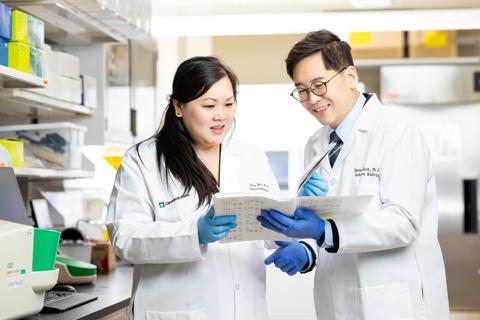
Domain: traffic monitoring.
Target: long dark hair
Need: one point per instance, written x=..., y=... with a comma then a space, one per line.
x=174, y=145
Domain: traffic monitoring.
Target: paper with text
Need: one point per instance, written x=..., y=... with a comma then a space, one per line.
x=247, y=206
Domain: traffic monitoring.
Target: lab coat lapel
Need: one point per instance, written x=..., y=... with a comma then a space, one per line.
x=362, y=125
x=230, y=157
x=319, y=144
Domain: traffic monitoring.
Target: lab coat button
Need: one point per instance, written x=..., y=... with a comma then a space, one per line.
x=237, y=287
x=333, y=181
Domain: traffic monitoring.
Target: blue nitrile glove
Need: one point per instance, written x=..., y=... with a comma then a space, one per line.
x=211, y=228
x=291, y=257
x=304, y=224
x=316, y=185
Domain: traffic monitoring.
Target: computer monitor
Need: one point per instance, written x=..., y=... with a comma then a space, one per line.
x=12, y=207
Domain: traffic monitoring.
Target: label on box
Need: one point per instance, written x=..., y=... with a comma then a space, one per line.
x=435, y=39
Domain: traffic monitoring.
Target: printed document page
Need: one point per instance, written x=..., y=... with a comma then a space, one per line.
x=247, y=206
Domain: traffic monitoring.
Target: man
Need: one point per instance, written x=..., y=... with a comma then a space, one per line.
x=385, y=263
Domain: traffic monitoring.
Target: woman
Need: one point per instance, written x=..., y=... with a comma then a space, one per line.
x=159, y=217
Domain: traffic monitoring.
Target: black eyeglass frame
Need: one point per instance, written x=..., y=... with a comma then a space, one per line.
x=312, y=87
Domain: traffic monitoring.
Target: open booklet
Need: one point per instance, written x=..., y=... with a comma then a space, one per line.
x=248, y=205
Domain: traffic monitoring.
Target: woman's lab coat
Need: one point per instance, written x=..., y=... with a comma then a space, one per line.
x=155, y=228
x=389, y=264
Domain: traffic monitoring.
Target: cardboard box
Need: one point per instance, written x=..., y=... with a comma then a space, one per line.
x=375, y=45
x=440, y=43
x=103, y=256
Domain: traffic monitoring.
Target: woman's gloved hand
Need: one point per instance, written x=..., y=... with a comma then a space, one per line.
x=316, y=185
x=211, y=228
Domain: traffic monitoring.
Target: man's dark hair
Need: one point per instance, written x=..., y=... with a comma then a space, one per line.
x=336, y=54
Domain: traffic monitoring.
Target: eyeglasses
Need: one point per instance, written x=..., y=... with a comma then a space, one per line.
x=318, y=88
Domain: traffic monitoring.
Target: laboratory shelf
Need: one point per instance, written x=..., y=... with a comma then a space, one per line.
x=19, y=102
x=74, y=22
x=11, y=78
x=40, y=173
x=411, y=61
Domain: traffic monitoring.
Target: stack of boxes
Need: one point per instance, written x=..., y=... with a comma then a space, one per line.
x=400, y=44
x=64, y=80
x=25, y=48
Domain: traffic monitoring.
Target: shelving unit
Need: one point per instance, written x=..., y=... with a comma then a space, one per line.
x=67, y=23
x=71, y=22
x=38, y=173
x=11, y=78
x=19, y=102
x=410, y=61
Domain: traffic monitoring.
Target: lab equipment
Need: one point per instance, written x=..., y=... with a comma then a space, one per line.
x=74, y=271
x=444, y=101
x=18, y=279
x=305, y=223
x=290, y=258
x=65, y=297
x=211, y=228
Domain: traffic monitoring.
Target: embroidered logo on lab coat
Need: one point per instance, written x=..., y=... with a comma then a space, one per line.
x=259, y=187
x=367, y=172
x=163, y=204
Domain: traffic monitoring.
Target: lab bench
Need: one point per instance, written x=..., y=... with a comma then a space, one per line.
x=113, y=291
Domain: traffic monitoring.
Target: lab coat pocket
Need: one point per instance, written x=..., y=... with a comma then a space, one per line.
x=388, y=302
x=176, y=315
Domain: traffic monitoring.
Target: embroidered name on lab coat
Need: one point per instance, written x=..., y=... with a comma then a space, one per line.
x=258, y=187
x=367, y=172
x=163, y=204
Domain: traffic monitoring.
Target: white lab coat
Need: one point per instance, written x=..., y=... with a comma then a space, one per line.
x=174, y=276
x=389, y=264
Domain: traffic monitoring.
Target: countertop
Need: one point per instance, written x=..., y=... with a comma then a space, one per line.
x=113, y=291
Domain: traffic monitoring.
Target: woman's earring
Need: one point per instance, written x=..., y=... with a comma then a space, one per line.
x=179, y=114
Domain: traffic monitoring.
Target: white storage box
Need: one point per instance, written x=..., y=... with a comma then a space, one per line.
x=89, y=91
x=49, y=145
x=65, y=64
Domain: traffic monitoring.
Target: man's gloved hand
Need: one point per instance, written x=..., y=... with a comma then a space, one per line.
x=304, y=224
x=211, y=228
x=291, y=257
x=316, y=185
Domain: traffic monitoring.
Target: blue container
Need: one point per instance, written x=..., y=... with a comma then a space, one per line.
x=4, y=52
x=5, y=21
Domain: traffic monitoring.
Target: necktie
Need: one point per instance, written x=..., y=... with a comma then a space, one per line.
x=332, y=155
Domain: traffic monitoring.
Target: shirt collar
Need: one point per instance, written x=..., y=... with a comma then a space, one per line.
x=344, y=128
